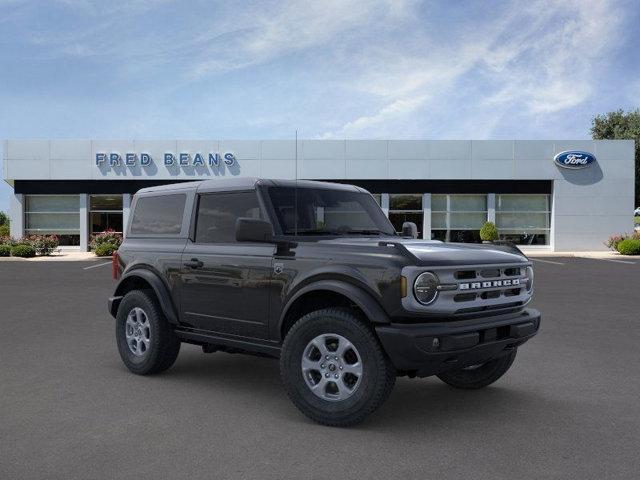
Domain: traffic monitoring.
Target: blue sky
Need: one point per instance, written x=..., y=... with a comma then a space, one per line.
x=332, y=69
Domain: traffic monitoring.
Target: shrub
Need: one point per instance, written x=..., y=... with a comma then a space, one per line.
x=107, y=237
x=105, y=249
x=5, y=250
x=629, y=246
x=613, y=241
x=489, y=232
x=44, y=244
x=4, y=231
x=23, y=250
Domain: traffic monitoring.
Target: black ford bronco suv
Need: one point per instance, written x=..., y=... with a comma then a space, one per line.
x=314, y=274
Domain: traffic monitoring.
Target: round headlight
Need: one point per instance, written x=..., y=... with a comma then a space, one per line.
x=529, y=280
x=425, y=288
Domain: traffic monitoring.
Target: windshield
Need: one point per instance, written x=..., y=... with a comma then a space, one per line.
x=328, y=212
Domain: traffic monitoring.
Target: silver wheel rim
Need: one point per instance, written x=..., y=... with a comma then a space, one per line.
x=332, y=367
x=138, y=332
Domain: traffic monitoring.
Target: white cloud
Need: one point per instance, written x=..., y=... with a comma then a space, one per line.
x=391, y=65
x=221, y=36
x=396, y=109
x=293, y=26
x=101, y=8
x=552, y=65
x=541, y=57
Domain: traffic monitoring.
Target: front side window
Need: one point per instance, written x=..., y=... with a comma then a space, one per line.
x=218, y=212
x=158, y=215
x=317, y=211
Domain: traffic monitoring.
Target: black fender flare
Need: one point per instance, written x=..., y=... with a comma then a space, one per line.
x=158, y=286
x=367, y=303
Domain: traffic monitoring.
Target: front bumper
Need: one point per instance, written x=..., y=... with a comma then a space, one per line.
x=431, y=348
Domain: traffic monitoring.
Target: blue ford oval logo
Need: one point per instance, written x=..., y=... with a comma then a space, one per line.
x=574, y=159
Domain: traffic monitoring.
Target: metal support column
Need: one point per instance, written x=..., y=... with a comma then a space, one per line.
x=126, y=209
x=17, y=215
x=84, y=222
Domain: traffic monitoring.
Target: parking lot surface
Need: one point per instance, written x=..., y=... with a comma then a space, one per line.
x=69, y=409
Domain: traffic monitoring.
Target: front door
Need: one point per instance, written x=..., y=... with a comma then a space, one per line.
x=226, y=284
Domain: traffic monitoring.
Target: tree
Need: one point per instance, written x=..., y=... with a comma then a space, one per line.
x=4, y=225
x=620, y=125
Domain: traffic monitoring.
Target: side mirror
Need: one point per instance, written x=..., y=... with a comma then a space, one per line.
x=410, y=230
x=253, y=230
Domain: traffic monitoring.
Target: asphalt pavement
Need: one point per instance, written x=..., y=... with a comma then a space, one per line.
x=69, y=409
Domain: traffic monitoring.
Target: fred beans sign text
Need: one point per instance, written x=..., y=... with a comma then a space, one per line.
x=212, y=159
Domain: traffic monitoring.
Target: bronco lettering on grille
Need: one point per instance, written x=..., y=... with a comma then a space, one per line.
x=491, y=284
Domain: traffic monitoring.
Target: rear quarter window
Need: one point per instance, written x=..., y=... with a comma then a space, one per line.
x=158, y=215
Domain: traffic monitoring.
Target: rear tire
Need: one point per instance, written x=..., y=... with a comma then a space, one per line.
x=146, y=341
x=334, y=369
x=479, y=376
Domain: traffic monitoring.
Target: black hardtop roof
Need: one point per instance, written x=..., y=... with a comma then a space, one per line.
x=244, y=183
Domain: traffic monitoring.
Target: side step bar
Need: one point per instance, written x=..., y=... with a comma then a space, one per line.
x=212, y=338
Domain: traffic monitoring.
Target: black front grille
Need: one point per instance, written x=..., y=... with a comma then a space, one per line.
x=484, y=308
x=464, y=297
x=490, y=273
x=512, y=272
x=490, y=294
x=514, y=292
x=465, y=275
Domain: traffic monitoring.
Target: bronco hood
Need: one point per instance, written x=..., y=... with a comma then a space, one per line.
x=436, y=253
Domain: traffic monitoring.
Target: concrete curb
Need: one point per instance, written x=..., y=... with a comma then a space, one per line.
x=63, y=256
x=602, y=255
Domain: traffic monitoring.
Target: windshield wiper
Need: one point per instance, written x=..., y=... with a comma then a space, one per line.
x=339, y=232
x=363, y=232
x=311, y=232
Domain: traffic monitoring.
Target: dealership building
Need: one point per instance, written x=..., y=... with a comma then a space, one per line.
x=551, y=195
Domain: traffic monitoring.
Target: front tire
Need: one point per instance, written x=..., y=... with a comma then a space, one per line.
x=334, y=369
x=146, y=341
x=479, y=376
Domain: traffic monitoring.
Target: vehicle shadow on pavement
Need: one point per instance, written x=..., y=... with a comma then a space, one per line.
x=234, y=373
x=413, y=402
x=429, y=401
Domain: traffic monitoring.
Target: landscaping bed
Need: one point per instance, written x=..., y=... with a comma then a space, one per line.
x=625, y=244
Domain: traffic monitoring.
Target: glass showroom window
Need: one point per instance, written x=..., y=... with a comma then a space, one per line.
x=524, y=219
x=457, y=218
x=406, y=208
x=105, y=213
x=54, y=214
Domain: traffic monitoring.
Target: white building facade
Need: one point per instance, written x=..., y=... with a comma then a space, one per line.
x=551, y=195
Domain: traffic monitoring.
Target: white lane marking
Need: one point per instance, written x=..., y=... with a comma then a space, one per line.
x=545, y=261
x=96, y=266
x=613, y=260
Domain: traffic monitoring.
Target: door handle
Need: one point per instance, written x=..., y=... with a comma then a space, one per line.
x=194, y=263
